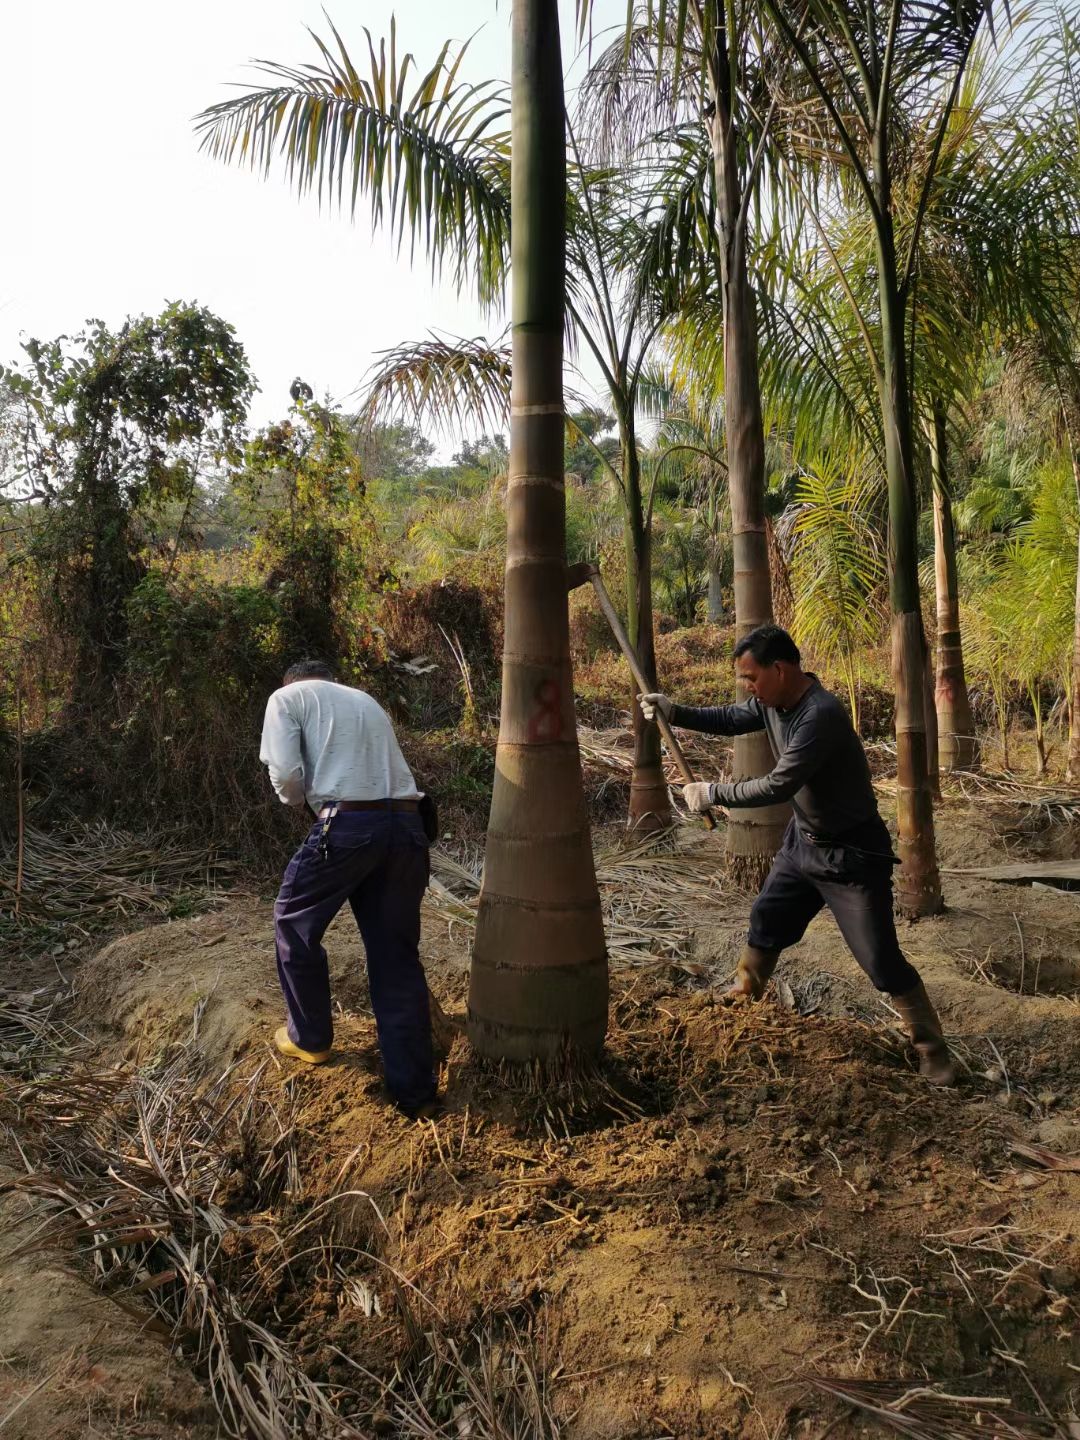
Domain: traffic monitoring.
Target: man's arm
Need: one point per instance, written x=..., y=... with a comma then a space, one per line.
x=804, y=754
x=280, y=751
x=720, y=719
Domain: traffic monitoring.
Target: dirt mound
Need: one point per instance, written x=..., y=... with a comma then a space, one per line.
x=741, y=1200
x=72, y=1364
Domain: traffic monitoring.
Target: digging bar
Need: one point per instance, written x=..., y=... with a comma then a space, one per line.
x=577, y=575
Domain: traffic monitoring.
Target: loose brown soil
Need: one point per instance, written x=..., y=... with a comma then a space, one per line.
x=741, y=1200
x=76, y=1365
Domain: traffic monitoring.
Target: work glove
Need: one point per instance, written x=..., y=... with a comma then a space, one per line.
x=697, y=797
x=653, y=702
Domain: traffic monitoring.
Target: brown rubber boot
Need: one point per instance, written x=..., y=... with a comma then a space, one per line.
x=752, y=974
x=924, y=1031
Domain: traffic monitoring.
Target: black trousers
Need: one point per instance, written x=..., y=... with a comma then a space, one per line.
x=855, y=881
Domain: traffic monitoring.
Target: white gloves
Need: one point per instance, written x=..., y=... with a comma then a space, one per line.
x=697, y=797
x=654, y=702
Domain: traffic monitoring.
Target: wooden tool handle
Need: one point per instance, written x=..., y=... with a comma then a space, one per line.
x=612, y=616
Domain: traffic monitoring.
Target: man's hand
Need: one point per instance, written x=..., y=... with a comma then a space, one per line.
x=697, y=797
x=654, y=702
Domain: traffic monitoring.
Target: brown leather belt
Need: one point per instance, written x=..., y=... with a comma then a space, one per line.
x=393, y=806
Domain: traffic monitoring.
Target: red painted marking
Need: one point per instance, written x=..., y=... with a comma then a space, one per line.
x=546, y=724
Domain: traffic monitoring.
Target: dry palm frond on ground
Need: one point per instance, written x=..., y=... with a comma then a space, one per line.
x=927, y=1412
x=645, y=891
x=101, y=873
x=132, y=1168
x=1057, y=802
x=613, y=750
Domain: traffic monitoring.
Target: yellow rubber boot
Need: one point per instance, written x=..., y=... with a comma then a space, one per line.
x=286, y=1046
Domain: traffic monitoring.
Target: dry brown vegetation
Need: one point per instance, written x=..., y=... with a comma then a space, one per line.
x=748, y=1221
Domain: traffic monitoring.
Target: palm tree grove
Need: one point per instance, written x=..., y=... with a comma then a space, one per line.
x=540, y=722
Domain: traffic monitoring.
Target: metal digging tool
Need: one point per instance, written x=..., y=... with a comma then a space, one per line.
x=578, y=575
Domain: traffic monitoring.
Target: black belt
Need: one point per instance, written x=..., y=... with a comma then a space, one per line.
x=393, y=806
x=845, y=842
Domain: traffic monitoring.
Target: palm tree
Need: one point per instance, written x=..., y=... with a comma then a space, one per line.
x=996, y=263
x=539, y=982
x=868, y=70
x=715, y=46
x=1067, y=103
x=342, y=127
x=427, y=162
x=957, y=745
x=616, y=304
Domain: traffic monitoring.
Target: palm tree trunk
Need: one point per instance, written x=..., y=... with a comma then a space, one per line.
x=918, y=883
x=1001, y=700
x=1072, y=771
x=539, y=979
x=754, y=835
x=650, y=800
x=1035, y=696
x=956, y=729
x=715, y=599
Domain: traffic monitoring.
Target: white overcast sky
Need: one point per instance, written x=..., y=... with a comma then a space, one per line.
x=111, y=209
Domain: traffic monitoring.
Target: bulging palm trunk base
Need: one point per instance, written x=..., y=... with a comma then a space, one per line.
x=539, y=980
x=753, y=835
x=650, y=810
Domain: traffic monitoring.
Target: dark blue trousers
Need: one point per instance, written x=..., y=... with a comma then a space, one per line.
x=377, y=861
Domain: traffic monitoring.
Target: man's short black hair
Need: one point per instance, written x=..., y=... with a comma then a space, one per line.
x=307, y=670
x=767, y=644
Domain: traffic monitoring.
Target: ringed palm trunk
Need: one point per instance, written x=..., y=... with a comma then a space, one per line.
x=1072, y=772
x=715, y=601
x=539, y=978
x=918, y=883
x=754, y=835
x=650, y=801
x=957, y=749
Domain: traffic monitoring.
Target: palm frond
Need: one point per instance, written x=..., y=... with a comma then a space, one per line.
x=633, y=93
x=443, y=383
x=433, y=159
x=838, y=568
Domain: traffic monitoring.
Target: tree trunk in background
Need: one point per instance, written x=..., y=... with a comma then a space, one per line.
x=1072, y=772
x=918, y=882
x=957, y=746
x=754, y=835
x=715, y=602
x=539, y=979
x=650, y=800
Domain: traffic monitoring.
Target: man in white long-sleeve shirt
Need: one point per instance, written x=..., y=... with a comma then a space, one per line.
x=333, y=748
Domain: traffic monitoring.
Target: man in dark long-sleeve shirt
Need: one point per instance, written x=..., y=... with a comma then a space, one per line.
x=836, y=851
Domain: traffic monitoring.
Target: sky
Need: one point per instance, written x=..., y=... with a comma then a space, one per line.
x=111, y=209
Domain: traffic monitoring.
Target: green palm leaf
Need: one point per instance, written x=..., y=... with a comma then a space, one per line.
x=441, y=382
x=837, y=568
x=432, y=159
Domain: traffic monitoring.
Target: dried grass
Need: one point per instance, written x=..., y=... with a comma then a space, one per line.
x=132, y=1170
x=645, y=891
x=93, y=876
x=126, y=1168
x=929, y=1413
x=489, y=1384
x=1050, y=802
